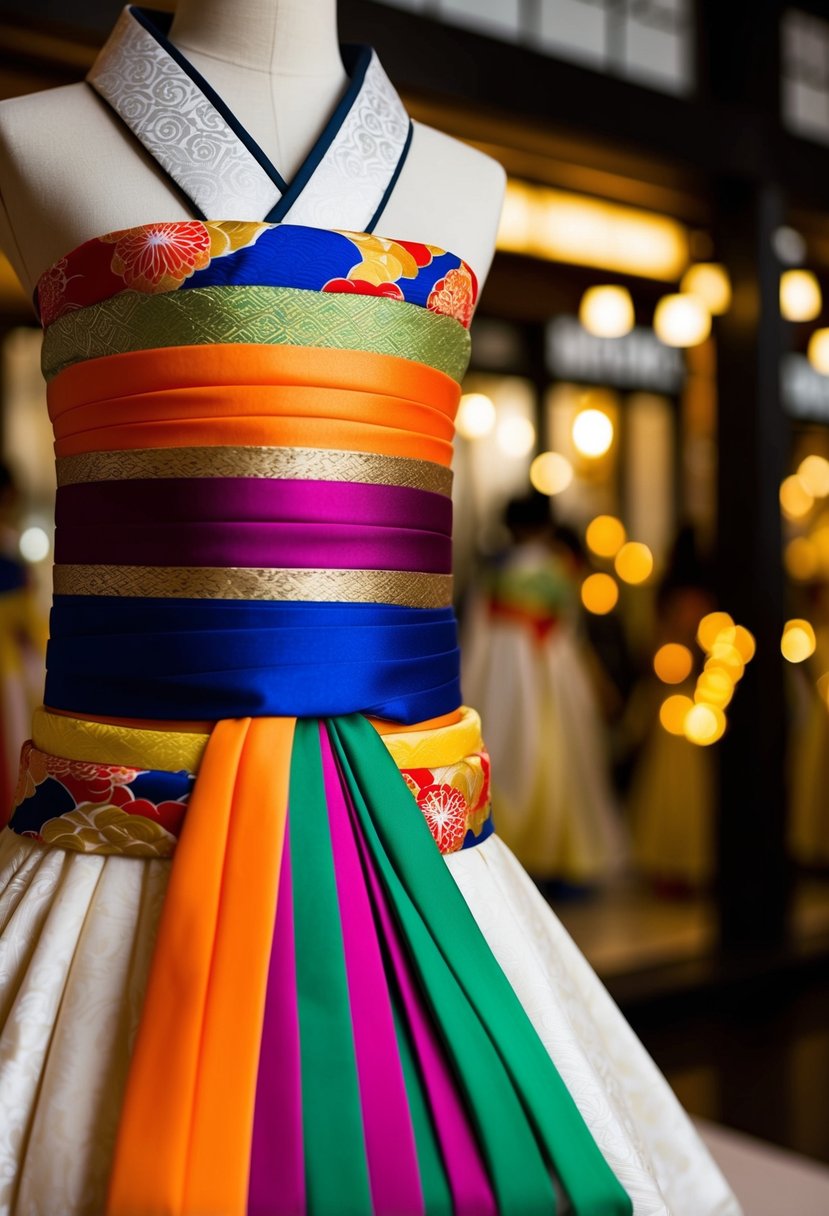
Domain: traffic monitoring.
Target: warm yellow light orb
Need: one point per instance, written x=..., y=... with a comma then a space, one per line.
x=681, y=320
x=551, y=473
x=605, y=535
x=599, y=594
x=726, y=656
x=814, y=475
x=802, y=559
x=744, y=643
x=672, y=663
x=704, y=724
x=818, y=351
x=476, y=416
x=592, y=433
x=798, y=641
x=708, y=281
x=800, y=298
x=607, y=312
x=715, y=687
x=634, y=562
x=710, y=627
x=673, y=711
x=515, y=435
x=795, y=499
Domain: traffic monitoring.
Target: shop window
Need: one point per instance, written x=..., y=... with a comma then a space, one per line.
x=648, y=41
x=805, y=68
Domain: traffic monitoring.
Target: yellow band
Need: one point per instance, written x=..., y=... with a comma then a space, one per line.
x=173, y=751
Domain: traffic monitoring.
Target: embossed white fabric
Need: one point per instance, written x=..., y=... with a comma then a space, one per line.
x=348, y=185
x=638, y=1124
x=193, y=142
x=179, y=127
x=76, y=938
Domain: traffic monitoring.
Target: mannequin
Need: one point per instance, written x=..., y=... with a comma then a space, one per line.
x=71, y=171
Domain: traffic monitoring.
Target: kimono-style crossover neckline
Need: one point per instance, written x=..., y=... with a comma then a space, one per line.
x=189, y=130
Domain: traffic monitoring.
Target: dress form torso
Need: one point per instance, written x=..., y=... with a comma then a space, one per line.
x=71, y=171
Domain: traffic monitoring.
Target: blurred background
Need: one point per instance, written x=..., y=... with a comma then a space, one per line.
x=642, y=492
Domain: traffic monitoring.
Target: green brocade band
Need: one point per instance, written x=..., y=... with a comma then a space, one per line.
x=278, y=316
x=400, y=587
x=286, y=464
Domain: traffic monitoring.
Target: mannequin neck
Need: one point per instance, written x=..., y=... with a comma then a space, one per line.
x=279, y=37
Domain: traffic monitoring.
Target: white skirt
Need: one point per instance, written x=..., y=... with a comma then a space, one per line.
x=76, y=940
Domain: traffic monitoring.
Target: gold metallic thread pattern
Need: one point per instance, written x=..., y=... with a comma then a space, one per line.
x=280, y=316
x=401, y=587
x=297, y=464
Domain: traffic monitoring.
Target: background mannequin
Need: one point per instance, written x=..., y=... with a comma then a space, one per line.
x=70, y=170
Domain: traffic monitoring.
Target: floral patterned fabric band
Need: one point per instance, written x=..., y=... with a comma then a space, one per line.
x=137, y=811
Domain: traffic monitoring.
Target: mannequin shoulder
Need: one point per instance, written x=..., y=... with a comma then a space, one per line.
x=448, y=194
x=68, y=171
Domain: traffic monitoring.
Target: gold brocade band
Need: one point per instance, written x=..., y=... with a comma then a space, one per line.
x=269, y=316
x=399, y=587
x=299, y=464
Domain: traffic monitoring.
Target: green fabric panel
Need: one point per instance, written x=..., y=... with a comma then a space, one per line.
x=514, y=1160
x=336, y=1167
x=436, y=1195
x=281, y=316
x=416, y=866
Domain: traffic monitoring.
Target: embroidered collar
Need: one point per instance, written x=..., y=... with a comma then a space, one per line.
x=344, y=182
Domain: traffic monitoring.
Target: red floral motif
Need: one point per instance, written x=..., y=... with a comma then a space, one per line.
x=159, y=257
x=454, y=295
x=444, y=809
x=51, y=292
x=169, y=814
x=418, y=777
x=422, y=254
x=360, y=287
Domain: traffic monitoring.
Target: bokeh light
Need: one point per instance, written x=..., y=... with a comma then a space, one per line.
x=672, y=663
x=704, y=724
x=708, y=281
x=813, y=473
x=798, y=641
x=681, y=320
x=599, y=594
x=634, y=562
x=745, y=643
x=592, y=433
x=673, y=712
x=726, y=656
x=607, y=312
x=818, y=351
x=715, y=687
x=802, y=559
x=515, y=435
x=34, y=544
x=476, y=416
x=795, y=499
x=710, y=628
x=605, y=535
x=800, y=297
x=551, y=473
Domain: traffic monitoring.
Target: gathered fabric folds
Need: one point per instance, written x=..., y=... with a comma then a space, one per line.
x=306, y=1072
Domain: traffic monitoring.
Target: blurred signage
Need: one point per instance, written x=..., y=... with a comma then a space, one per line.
x=805, y=392
x=639, y=360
